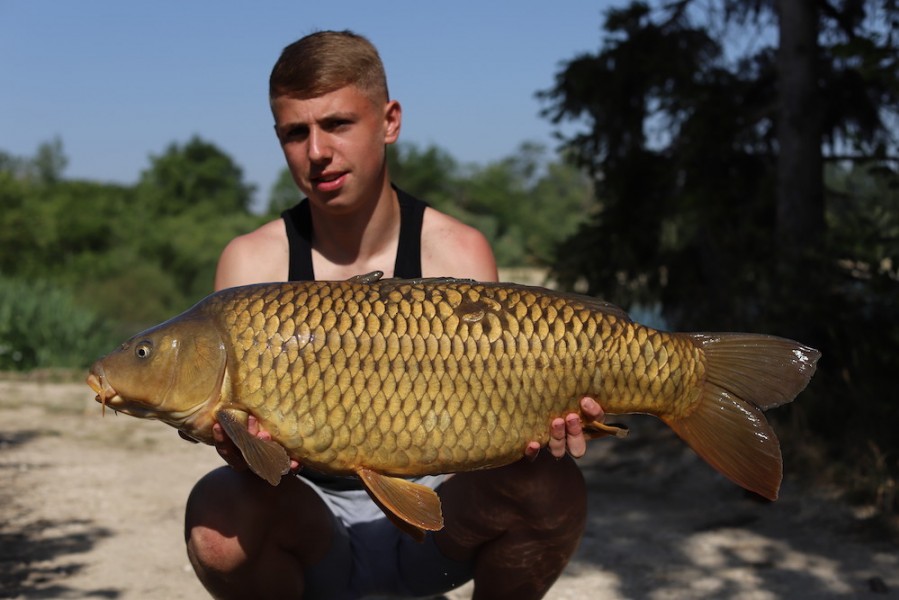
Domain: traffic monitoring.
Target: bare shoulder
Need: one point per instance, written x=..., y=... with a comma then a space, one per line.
x=450, y=248
x=256, y=257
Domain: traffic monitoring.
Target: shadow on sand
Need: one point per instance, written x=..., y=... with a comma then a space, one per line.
x=33, y=552
x=663, y=524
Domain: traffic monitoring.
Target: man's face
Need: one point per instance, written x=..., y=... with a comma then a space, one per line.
x=334, y=144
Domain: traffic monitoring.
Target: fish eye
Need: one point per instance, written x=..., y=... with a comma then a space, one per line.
x=143, y=350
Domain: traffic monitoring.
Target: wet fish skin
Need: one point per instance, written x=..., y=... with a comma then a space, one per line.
x=398, y=378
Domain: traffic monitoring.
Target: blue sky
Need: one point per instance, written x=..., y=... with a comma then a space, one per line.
x=119, y=81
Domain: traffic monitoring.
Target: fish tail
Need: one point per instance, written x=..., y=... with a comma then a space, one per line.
x=744, y=375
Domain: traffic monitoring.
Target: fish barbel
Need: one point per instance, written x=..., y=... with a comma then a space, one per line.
x=386, y=379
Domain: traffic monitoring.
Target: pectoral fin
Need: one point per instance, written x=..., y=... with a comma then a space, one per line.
x=266, y=458
x=598, y=429
x=412, y=507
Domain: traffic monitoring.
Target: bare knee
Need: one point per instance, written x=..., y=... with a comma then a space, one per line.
x=222, y=499
x=520, y=524
x=547, y=491
x=246, y=538
x=545, y=499
x=554, y=495
x=224, y=519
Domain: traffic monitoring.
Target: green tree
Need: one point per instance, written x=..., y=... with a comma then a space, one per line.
x=430, y=173
x=190, y=202
x=525, y=204
x=46, y=166
x=194, y=175
x=17, y=228
x=50, y=161
x=46, y=230
x=283, y=195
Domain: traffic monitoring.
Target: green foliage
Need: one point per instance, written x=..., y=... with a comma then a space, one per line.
x=283, y=195
x=196, y=175
x=430, y=174
x=46, y=166
x=136, y=254
x=46, y=229
x=189, y=203
x=41, y=325
x=50, y=161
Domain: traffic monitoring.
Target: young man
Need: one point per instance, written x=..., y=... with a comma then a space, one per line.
x=512, y=529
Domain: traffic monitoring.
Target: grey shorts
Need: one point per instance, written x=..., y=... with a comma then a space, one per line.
x=369, y=555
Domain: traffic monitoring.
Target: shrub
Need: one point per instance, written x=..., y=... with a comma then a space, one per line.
x=42, y=326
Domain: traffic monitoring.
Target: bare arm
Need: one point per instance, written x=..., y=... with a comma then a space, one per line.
x=452, y=249
x=257, y=257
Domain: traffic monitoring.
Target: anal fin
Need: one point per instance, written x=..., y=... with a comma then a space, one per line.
x=266, y=458
x=412, y=507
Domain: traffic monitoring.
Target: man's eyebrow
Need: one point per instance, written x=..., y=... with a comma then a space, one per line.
x=288, y=126
x=339, y=115
x=326, y=119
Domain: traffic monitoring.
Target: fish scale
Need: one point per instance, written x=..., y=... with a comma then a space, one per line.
x=392, y=378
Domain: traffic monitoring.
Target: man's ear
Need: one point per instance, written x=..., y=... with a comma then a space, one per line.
x=393, y=120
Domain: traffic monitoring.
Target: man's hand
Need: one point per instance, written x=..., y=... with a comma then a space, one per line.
x=567, y=435
x=230, y=453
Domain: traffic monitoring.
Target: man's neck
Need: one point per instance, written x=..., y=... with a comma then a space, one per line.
x=366, y=238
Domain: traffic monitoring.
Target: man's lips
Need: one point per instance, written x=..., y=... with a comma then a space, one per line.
x=328, y=182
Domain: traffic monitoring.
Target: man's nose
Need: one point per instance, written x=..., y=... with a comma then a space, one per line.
x=319, y=148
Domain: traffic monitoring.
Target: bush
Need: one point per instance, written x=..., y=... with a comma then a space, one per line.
x=42, y=326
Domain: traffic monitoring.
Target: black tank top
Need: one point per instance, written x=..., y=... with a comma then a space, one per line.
x=298, y=221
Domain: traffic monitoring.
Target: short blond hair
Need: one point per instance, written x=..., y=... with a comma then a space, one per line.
x=326, y=61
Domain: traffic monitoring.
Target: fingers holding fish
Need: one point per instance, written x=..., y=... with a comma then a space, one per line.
x=591, y=409
x=575, y=439
x=557, y=442
x=532, y=450
x=567, y=435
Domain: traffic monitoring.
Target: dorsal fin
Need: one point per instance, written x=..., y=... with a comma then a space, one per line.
x=366, y=277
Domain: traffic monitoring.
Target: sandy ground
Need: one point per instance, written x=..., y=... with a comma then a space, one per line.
x=92, y=507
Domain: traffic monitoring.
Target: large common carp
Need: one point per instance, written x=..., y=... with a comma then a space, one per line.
x=392, y=378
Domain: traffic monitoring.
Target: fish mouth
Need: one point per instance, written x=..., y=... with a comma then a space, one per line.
x=106, y=394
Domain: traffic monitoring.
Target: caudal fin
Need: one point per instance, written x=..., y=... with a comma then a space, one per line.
x=745, y=374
